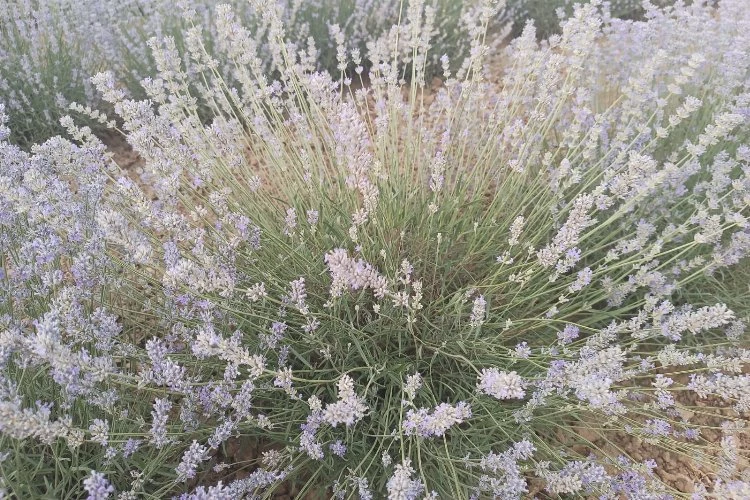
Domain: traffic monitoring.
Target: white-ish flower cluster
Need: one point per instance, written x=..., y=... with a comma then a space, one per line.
x=401, y=485
x=515, y=230
x=412, y=385
x=501, y=385
x=353, y=274
x=729, y=387
x=478, y=312
x=349, y=409
x=191, y=459
x=426, y=424
x=24, y=423
x=503, y=476
x=593, y=376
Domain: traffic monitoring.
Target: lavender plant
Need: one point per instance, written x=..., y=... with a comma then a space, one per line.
x=476, y=291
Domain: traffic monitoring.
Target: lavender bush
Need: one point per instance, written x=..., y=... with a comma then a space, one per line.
x=479, y=290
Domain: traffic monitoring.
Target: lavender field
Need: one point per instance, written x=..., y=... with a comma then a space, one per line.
x=361, y=249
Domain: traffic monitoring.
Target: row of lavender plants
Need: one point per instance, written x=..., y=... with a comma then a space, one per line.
x=50, y=49
x=531, y=283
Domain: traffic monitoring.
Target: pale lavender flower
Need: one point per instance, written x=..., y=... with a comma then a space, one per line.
x=298, y=295
x=569, y=334
x=97, y=486
x=257, y=292
x=424, y=424
x=163, y=371
x=191, y=459
x=734, y=489
x=338, y=448
x=478, y=312
x=284, y=380
x=582, y=280
x=243, y=399
x=437, y=170
x=691, y=434
x=308, y=441
x=504, y=478
x=401, y=486
x=413, y=384
x=222, y=432
x=515, y=230
x=501, y=385
x=312, y=217
x=348, y=273
x=522, y=351
x=657, y=427
x=130, y=447
x=363, y=488
x=99, y=430
x=160, y=414
x=271, y=341
x=568, y=235
x=291, y=221
x=349, y=409
x=575, y=477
